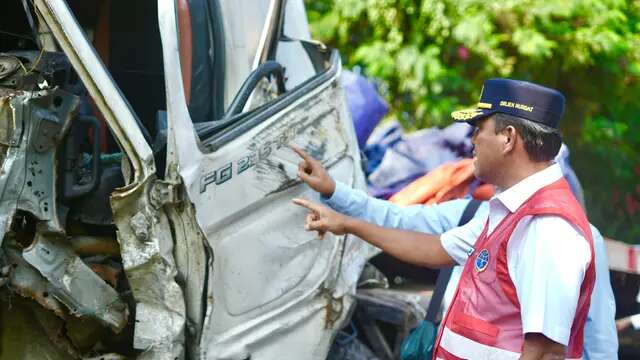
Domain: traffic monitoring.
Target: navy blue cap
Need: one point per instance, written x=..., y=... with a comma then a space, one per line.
x=519, y=98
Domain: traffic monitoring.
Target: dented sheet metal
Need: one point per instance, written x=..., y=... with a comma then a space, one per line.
x=193, y=258
x=75, y=284
x=32, y=124
x=217, y=261
x=144, y=232
x=9, y=155
x=262, y=160
x=272, y=286
x=29, y=283
x=145, y=240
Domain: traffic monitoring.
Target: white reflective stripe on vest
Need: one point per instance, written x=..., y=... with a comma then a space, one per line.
x=464, y=348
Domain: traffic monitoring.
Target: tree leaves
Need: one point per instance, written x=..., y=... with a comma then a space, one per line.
x=431, y=58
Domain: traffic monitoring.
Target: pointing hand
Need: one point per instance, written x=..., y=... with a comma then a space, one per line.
x=314, y=174
x=323, y=219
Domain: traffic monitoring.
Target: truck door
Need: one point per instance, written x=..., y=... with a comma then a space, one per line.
x=273, y=291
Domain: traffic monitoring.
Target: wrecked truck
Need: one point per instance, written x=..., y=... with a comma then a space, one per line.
x=146, y=179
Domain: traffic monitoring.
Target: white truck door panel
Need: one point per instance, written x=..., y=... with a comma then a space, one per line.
x=260, y=162
x=256, y=233
x=275, y=291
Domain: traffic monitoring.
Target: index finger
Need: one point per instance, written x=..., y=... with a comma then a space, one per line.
x=306, y=204
x=301, y=153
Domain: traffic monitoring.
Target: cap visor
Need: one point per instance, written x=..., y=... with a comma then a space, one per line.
x=471, y=116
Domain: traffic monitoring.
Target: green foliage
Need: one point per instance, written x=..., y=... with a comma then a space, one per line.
x=431, y=57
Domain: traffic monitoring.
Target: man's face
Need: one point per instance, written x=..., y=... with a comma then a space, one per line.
x=487, y=151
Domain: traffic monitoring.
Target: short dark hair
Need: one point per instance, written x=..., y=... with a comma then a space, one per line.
x=541, y=142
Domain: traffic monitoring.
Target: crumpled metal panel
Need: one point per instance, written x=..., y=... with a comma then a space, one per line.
x=47, y=115
x=191, y=254
x=272, y=286
x=7, y=123
x=8, y=65
x=13, y=158
x=146, y=243
x=33, y=124
x=29, y=283
x=268, y=273
x=75, y=284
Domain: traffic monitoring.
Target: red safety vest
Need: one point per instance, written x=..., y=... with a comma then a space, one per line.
x=484, y=320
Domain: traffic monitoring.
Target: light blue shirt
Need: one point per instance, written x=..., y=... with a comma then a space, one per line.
x=600, y=336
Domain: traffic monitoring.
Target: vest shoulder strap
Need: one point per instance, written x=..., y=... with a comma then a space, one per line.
x=445, y=273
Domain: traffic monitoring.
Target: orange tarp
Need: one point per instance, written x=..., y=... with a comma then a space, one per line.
x=446, y=182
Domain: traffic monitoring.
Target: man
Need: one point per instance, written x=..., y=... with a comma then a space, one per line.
x=601, y=341
x=526, y=292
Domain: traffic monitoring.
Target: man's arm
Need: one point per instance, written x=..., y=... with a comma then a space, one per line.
x=547, y=284
x=409, y=246
x=434, y=219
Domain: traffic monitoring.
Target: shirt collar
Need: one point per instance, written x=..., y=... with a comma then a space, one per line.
x=516, y=195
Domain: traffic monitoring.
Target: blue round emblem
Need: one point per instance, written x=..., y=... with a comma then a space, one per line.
x=482, y=260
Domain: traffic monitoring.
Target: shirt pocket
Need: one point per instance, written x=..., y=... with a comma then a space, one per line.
x=475, y=328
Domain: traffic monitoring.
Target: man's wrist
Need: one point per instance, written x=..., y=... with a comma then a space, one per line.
x=349, y=224
x=331, y=188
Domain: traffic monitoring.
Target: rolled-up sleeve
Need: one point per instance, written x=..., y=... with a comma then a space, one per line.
x=430, y=219
x=547, y=259
x=459, y=242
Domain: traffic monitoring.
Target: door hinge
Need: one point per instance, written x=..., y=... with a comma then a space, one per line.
x=165, y=193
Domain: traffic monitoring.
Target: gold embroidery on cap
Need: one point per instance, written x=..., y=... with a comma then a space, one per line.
x=482, y=105
x=516, y=106
x=463, y=115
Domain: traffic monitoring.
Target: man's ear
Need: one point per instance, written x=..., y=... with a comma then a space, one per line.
x=510, y=139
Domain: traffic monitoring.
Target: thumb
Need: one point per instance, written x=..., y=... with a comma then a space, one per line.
x=317, y=225
x=304, y=176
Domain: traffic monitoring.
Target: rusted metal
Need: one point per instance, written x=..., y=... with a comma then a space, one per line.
x=333, y=309
x=29, y=283
x=144, y=234
x=274, y=286
x=107, y=273
x=95, y=245
x=75, y=284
